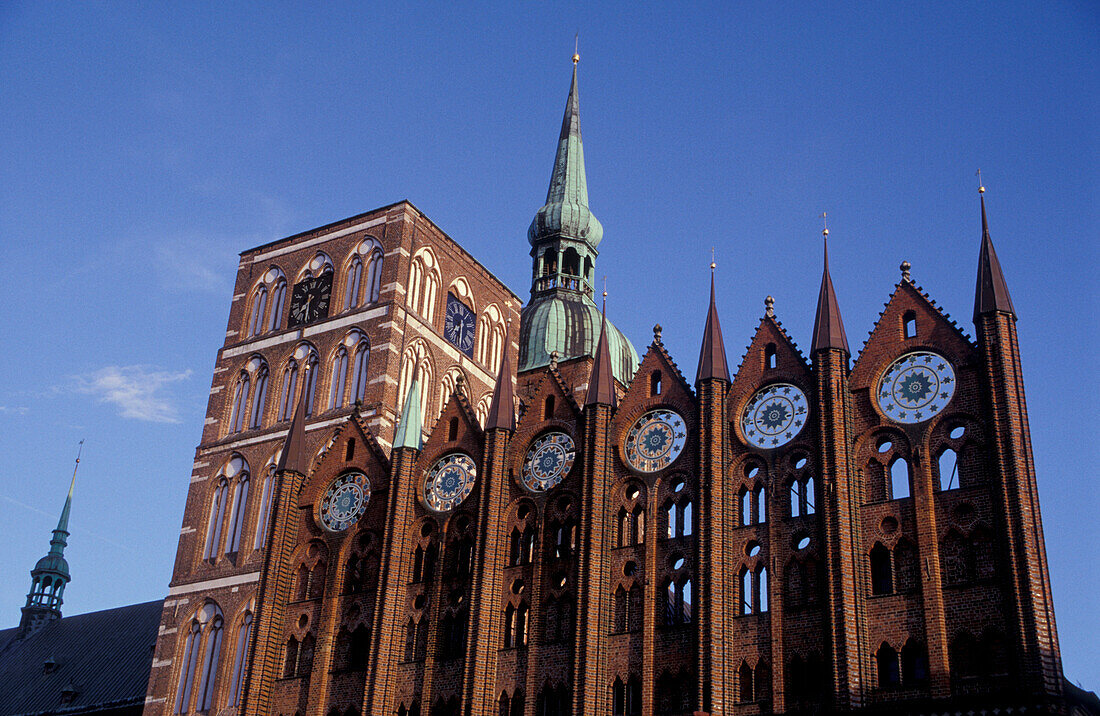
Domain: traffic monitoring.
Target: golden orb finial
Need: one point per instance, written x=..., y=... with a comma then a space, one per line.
x=576, y=50
x=981, y=189
x=712, y=264
x=825, y=221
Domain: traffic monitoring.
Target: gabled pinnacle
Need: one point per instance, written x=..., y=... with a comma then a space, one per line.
x=601, y=384
x=502, y=411
x=828, y=326
x=991, y=292
x=293, y=455
x=712, y=355
x=409, y=433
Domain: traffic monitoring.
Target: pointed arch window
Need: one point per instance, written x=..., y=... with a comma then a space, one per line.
x=424, y=284
x=217, y=516
x=889, y=675
x=339, y=376
x=882, y=578
x=187, y=667
x=311, y=381
x=351, y=283
x=210, y=665
x=259, y=306
x=265, y=507
x=236, y=521
x=374, y=276
x=490, y=338
x=288, y=391
x=239, y=406
x=899, y=478
x=278, y=299
x=259, y=400
x=417, y=361
x=948, y=465
x=244, y=636
x=359, y=379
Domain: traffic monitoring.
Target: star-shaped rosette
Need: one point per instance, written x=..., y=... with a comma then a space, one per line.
x=449, y=481
x=916, y=387
x=655, y=440
x=774, y=415
x=548, y=461
x=344, y=502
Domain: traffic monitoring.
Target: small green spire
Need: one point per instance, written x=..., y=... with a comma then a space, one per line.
x=409, y=431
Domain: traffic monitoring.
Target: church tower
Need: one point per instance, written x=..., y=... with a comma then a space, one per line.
x=565, y=237
x=50, y=575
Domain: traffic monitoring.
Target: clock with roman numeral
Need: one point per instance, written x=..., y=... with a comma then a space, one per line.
x=310, y=300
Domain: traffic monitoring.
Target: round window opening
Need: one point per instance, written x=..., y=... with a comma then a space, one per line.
x=752, y=549
x=803, y=543
x=630, y=568
x=677, y=562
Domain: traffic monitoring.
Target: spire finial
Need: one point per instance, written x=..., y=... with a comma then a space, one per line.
x=712, y=264
x=981, y=189
x=576, y=48
x=769, y=306
x=825, y=223
x=906, y=267
x=657, y=333
x=605, y=293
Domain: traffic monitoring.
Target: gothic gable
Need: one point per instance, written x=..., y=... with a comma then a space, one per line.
x=771, y=356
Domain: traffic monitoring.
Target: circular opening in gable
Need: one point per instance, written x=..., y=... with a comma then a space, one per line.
x=885, y=444
x=752, y=548
x=957, y=432
x=630, y=568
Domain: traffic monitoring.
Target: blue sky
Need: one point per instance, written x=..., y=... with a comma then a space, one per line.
x=145, y=145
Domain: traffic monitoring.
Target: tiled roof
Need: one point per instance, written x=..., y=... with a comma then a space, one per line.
x=103, y=657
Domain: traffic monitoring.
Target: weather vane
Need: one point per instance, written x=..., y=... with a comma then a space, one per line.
x=981, y=189
x=712, y=264
x=576, y=47
x=825, y=222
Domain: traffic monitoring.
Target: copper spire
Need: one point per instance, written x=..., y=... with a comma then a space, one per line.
x=828, y=326
x=294, y=448
x=991, y=292
x=601, y=383
x=712, y=355
x=502, y=410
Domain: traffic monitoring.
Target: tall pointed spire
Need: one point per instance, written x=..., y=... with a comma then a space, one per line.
x=293, y=455
x=712, y=355
x=502, y=411
x=410, y=430
x=991, y=292
x=50, y=575
x=566, y=213
x=828, y=326
x=601, y=383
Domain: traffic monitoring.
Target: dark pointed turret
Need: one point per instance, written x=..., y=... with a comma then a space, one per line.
x=991, y=293
x=410, y=431
x=293, y=456
x=50, y=575
x=712, y=356
x=502, y=411
x=601, y=383
x=828, y=326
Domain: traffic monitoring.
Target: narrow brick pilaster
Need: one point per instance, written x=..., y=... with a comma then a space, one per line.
x=1030, y=607
x=713, y=517
x=272, y=596
x=396, y=571
x=931, y=576
x=486, y=621
x=842, y=527
x=590, y=692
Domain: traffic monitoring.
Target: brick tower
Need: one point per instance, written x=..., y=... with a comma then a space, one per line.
x=456, y=524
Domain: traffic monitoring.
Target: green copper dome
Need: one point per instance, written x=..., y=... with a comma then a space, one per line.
x=571, y=326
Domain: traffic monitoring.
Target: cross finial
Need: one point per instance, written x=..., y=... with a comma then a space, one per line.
x=576, y=48
x=769, y=306
x=981, y=189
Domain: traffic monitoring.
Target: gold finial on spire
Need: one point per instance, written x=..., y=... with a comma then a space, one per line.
x=981, y=189
x=576, y=48
x=825, y=221
x=712, y=264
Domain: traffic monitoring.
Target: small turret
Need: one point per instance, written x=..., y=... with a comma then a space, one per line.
x=601, y=383
x=502, y=411
x=712, y=355
x=410, y=431
x=50, y=575
x=293, y=453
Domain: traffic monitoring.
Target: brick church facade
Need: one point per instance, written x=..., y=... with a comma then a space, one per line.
x=412, y=497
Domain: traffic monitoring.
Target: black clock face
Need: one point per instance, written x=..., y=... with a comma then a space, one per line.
x=310, y=299
x=459, y=325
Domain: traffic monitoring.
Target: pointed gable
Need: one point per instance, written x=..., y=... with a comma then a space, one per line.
x=933, y=330
x=549, y=385
x=457, y=424
x=658, y=379
x=351, y=444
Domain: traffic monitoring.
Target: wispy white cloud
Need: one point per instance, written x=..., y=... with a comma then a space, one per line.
x=135, y=390
x=14, y=409
x=193, y=268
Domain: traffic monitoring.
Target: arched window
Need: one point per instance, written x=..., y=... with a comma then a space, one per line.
x=899, y=478
x=374, y=276
x=906, y=568
x=888, y=674
x=417, y=361
x=311, y=380
x=217, y=516
x=914, y=663
x=746, y=507
x=289, y=390
x=265, y=505
x=278, y=300
x=210, y=665
x=909, y=323
x=424, y=284
x=358, y=648
x=351, y=283
x=339, y=376
x=490, y=338
x=448, y=386
x=239, y=407
x=236, y=520
x=760, y=496
x=882, y=580
x=655, y=383
x=359, y=376
x=259, y=306
x=259, y=400
x=548, y=408
x=769, y=356
x=244, y=636
x=290, y=662
x=948, y=469
x=744, y=683
x=762, y=589
x=187, y=667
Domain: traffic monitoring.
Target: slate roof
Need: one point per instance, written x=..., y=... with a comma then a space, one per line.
x=104, y=657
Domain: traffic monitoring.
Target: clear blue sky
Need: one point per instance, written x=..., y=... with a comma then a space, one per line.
x=145, y=145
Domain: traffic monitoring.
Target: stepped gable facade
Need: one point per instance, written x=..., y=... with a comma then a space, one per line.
x=810, y=534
